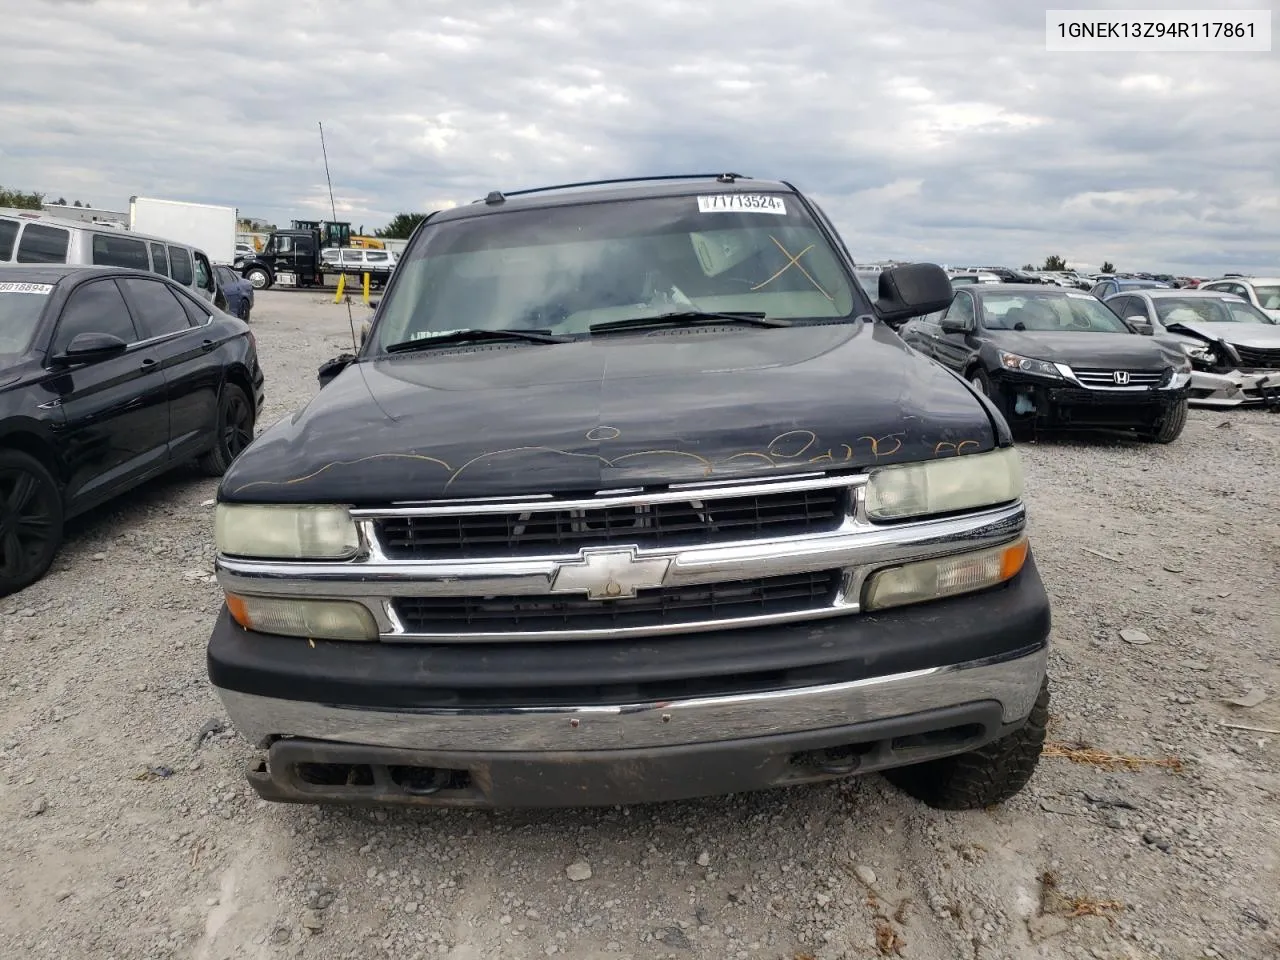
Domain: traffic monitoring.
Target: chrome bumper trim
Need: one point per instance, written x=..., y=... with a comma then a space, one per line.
x=858, y=547
x=1013, y=681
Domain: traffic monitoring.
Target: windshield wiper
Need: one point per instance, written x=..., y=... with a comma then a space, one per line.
x=688, y=318
x=476, y=336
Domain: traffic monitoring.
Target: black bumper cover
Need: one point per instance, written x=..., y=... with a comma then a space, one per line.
x=388, y=676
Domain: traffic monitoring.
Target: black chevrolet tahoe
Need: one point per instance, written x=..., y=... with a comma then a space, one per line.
x=631, y=494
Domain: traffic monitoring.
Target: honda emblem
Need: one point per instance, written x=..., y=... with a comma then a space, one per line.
x=1121, y=377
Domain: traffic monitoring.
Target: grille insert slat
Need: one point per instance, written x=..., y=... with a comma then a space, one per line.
x=675, y=524
x=649, y=608
x=1257, y=359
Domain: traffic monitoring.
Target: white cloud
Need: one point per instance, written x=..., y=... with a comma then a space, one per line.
x=931, y=130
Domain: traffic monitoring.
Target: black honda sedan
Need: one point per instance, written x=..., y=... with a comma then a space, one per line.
x=1054, y=358
x=108, y=377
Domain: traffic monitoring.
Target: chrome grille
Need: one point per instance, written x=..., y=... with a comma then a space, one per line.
x=544, y=529
x=1258, y=359
x=673, y=606
x=719, y=555
x=1099, y=377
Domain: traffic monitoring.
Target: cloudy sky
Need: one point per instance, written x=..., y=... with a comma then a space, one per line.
x=928, y=130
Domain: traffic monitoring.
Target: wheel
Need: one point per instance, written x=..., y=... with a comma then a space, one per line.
x=234, y=430
x=259, y=278
x=1019, y=427
x=30, y=520
x=1170, y=427
x=244, y=310
x=980, y=778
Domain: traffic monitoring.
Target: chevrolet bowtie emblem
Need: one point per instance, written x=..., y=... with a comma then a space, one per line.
x=610, y=573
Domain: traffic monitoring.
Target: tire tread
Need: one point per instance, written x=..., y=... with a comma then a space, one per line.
x=984, y=777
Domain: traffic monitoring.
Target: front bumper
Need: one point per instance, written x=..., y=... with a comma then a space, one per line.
x=1063, y=406
x=1235, y=388
x=605, y=722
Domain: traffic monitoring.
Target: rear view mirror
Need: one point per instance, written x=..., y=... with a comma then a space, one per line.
x=911, y=291
x=92, y=347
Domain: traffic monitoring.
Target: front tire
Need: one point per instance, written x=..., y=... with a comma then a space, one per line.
x=259, y=278
x=980, y=778
x=234, y=431
x=1172, y=425
x=1018, y=427
x=31, y=520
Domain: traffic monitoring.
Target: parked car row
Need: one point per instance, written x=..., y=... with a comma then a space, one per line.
x=1053, y=358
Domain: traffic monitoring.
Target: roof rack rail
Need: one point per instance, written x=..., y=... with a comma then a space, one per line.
x=498, y=196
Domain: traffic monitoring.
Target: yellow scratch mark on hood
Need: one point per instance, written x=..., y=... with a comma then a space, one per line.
x=344, y=463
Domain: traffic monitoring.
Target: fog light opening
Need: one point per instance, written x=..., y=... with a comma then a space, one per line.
x=424, y=781
x=335, y=774
x=836, y=761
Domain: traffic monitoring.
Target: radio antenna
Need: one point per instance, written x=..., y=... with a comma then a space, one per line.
x=351, y=320
x=325, y=153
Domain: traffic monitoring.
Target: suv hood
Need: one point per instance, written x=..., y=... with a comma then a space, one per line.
x=623, y=411
x=1084, y=349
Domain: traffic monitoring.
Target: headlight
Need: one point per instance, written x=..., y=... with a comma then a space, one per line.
x=315, y=619
x=1197, y=351
x=944, y=577
x=942, y=486
x=285, y=532
x=1011, y=361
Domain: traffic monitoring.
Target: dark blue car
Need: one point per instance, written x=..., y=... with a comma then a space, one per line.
x=237, y=290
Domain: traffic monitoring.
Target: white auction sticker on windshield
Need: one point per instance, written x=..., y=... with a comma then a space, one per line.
x=742, y=203
x=39, y=289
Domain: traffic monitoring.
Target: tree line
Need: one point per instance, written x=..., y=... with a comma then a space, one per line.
x=32, y=200
x=1056, y=263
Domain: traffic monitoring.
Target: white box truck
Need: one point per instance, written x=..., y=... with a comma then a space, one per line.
x=207, y=226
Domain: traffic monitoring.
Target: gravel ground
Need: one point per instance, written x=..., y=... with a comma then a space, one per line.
x=128, y=830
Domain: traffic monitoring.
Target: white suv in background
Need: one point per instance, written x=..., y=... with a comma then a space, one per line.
x=1262, y=292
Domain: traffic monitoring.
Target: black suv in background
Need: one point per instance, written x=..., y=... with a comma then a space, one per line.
x=632, y=494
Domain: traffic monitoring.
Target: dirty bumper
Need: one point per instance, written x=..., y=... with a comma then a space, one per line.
x=600, y=723
x=984, y=700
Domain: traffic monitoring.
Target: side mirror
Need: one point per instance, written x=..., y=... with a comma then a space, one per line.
x=92, y=348
x=1141, y=324
x=364, y=333
x=912, y=291
x=331, y=368
x=953, y=326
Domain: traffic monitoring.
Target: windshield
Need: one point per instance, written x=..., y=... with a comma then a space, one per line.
x=1207, y=310
x=1050, y=313
x=1268, y=296
x=564, y=269
x=20, y=308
